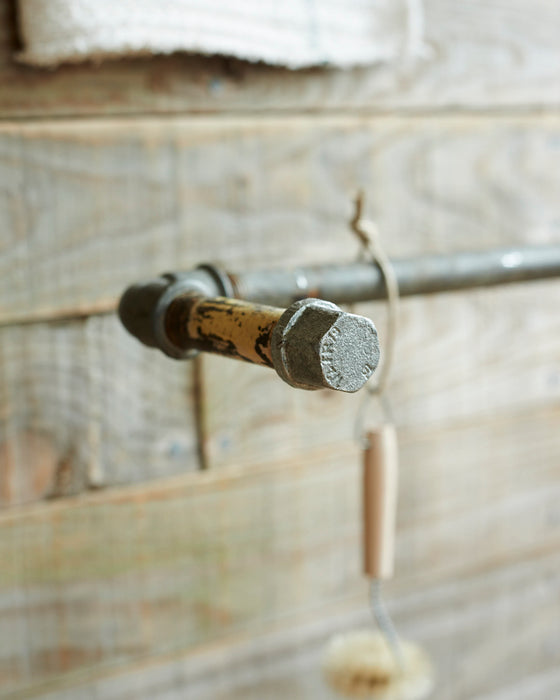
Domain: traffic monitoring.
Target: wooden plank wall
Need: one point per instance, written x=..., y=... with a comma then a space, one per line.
x=125, y=571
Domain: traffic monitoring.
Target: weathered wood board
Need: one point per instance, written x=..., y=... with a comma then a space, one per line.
x=119, y=577
x=487, y=643
x=477, y=55
x=82, y=405
x=92, y=206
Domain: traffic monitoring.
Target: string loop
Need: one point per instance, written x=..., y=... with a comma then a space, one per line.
x=368, y=235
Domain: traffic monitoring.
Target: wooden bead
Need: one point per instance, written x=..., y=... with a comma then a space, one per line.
x=380, y=481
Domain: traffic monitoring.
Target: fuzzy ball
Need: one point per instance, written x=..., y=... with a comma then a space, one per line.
x=361, y=664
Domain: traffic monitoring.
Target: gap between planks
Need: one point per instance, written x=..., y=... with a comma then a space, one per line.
x=317, y=113
x=305, y=117
x=60, y=315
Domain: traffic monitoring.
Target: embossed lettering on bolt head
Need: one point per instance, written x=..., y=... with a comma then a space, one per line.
x=315, y=344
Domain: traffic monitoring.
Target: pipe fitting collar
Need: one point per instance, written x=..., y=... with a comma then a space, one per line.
x=143, y=307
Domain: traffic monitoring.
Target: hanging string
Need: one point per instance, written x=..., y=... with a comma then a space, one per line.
x=368, y=235
x=384, y=622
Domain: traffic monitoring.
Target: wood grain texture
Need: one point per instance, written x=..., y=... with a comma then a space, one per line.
x=93, y=584
x=93, y=404
x=462, y=625
x=90, y=207
x=479, y=55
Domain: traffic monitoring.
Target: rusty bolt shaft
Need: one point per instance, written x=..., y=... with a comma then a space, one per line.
x=229, y=327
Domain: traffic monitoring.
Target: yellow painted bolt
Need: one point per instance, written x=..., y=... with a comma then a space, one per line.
x=312, y=345
x=224, y=326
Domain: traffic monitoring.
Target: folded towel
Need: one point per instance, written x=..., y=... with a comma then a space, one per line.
x=293, y=33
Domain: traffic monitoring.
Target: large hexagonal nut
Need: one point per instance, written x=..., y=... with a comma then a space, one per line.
x=317, y=345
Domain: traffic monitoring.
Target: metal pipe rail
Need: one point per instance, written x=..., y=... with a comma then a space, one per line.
x=430, y=274
x=313, y=343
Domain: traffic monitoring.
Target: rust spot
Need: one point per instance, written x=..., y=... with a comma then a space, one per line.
x=262, y=344
x=29, y=463
x=177, y=317
x=234, y=280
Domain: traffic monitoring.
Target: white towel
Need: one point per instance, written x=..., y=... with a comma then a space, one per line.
x=293, y=33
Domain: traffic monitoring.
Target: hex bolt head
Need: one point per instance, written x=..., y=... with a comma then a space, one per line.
x=317, y=345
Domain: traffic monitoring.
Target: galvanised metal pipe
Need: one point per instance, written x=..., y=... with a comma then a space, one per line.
x=353, y=282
